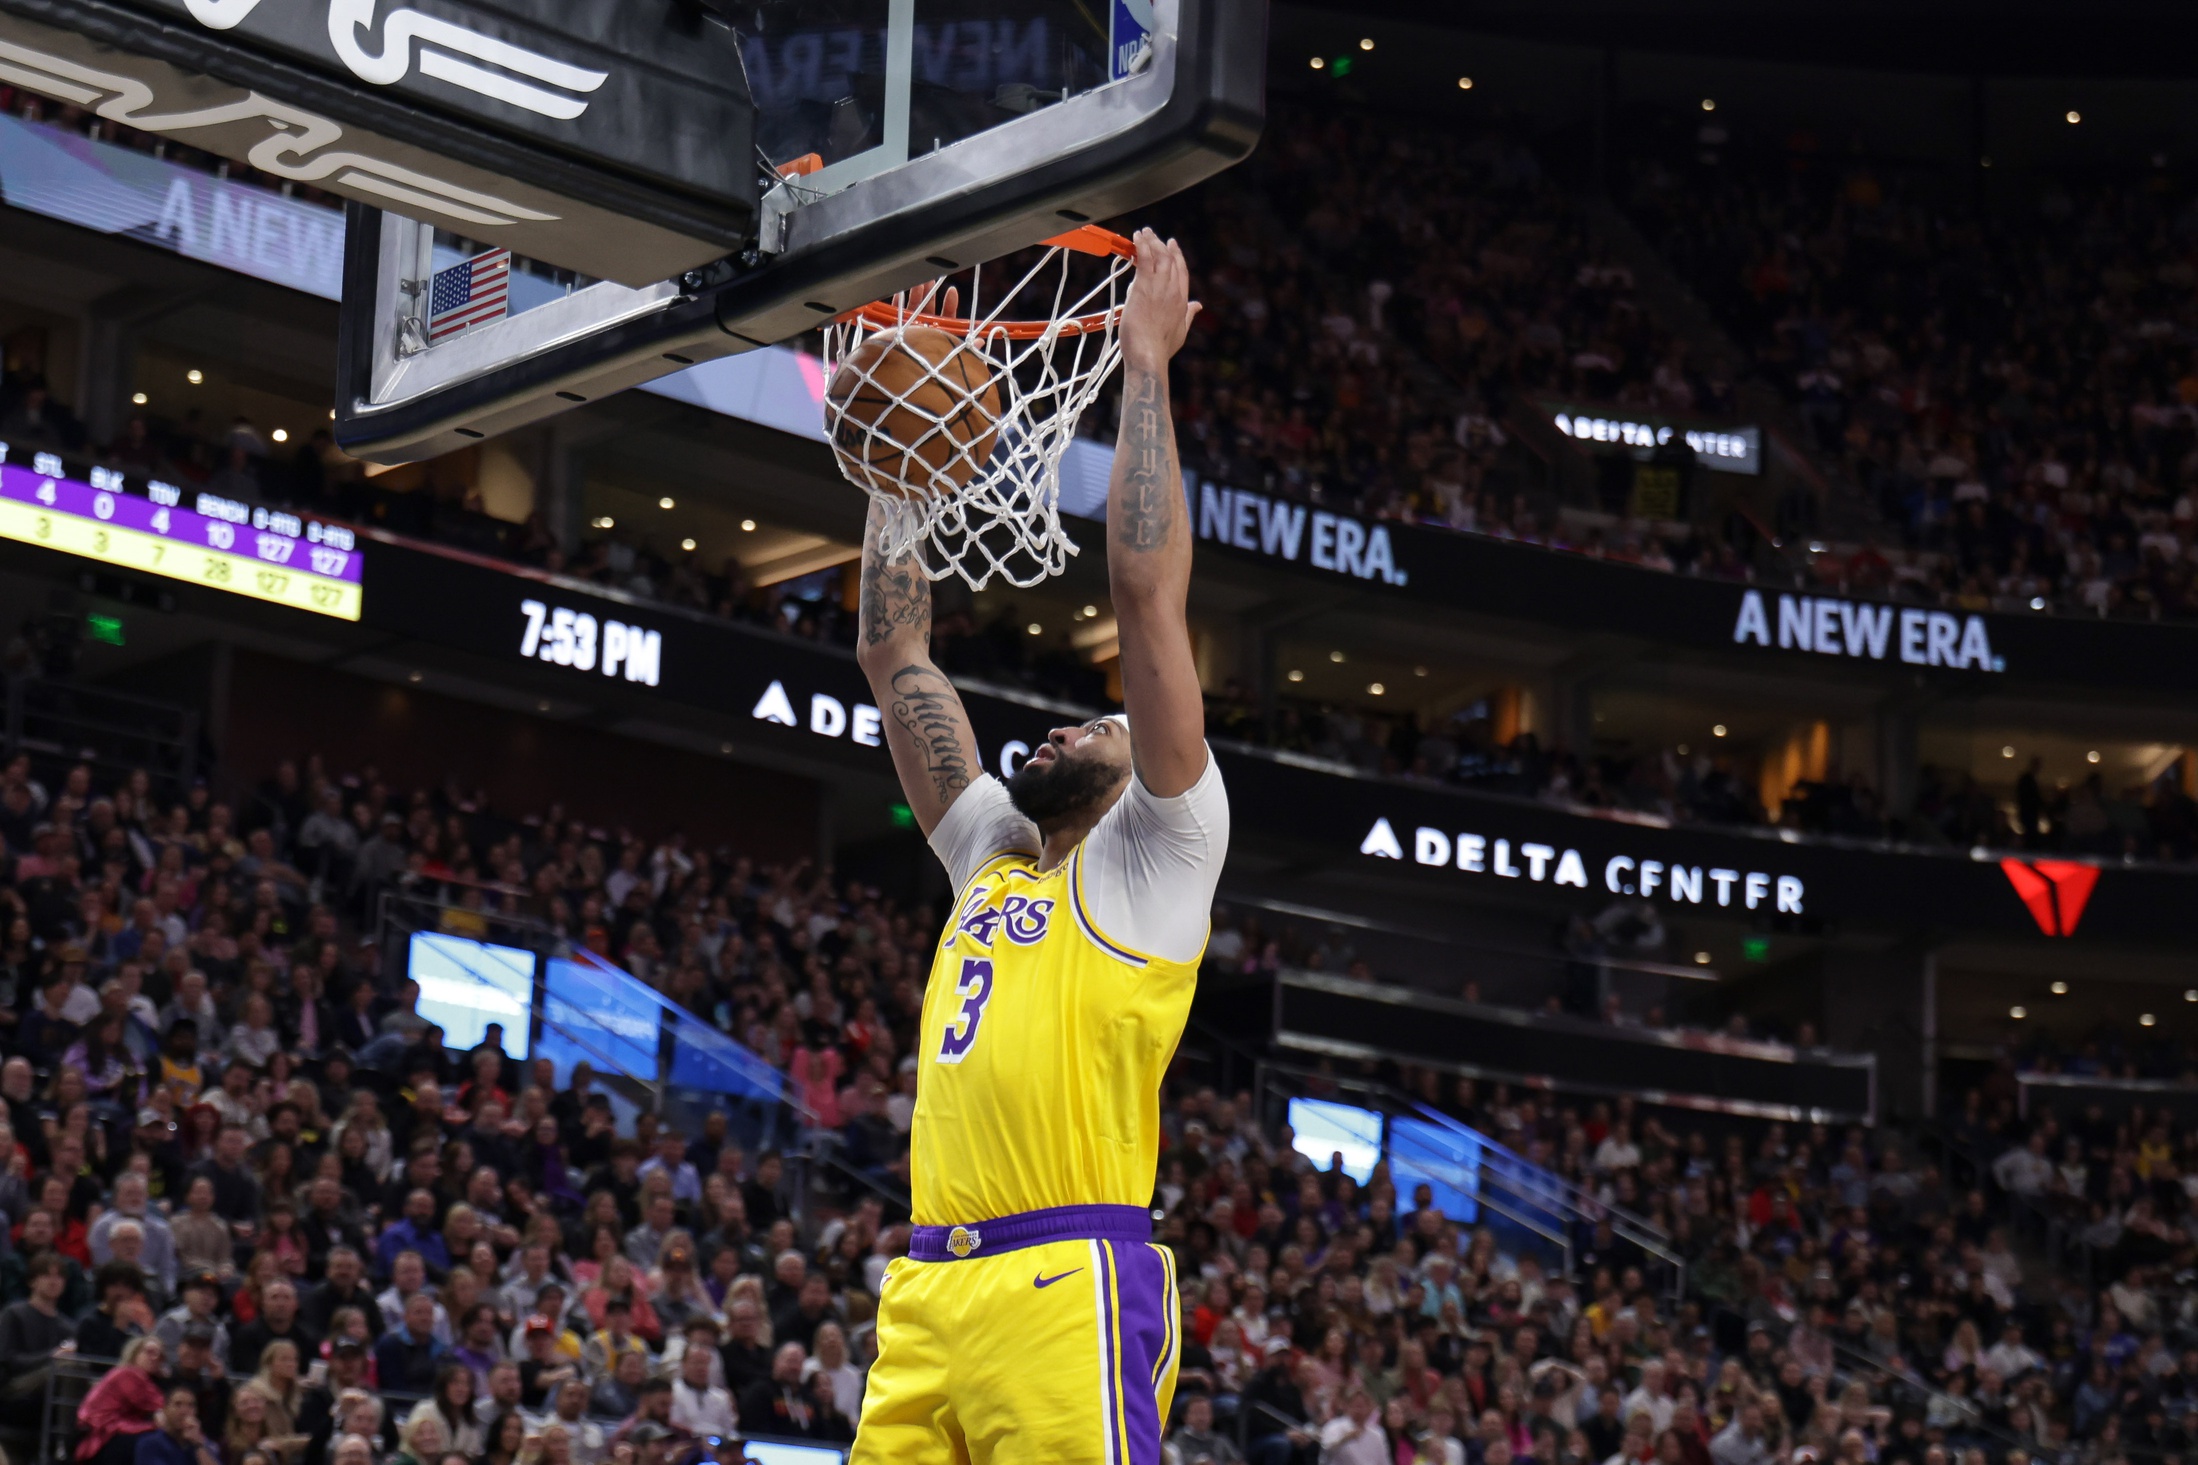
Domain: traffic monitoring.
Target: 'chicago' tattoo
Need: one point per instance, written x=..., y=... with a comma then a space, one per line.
x=926, y=707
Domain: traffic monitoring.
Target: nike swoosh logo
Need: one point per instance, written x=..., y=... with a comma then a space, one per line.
x=1042, y=1280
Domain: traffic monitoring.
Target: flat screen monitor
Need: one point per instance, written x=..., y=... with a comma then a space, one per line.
x=1321, y=1129
x=466, y=985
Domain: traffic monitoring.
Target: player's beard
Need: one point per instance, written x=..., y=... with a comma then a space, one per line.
x=1055, y=790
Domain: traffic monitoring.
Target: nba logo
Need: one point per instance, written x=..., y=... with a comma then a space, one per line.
x=1129, y=38
x=962, y=1240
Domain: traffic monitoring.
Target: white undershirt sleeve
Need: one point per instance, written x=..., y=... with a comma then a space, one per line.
x=980, y=824
x=1151, y=866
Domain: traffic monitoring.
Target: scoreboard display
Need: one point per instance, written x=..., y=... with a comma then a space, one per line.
x=158, y=528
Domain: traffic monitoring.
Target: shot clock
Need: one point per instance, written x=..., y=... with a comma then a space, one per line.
x=158, y=528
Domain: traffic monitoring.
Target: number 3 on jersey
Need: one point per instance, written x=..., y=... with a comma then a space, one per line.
x=975, y=990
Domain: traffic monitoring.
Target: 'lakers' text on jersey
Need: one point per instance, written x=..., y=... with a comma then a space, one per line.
x=1041, y=1053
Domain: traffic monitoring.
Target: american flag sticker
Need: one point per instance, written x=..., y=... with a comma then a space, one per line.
x=470, y=293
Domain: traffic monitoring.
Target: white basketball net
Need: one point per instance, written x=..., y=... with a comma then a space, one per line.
x=979, y=504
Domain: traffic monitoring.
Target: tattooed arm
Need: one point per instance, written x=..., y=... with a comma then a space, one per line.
x=925, y=726
x=1149, y=532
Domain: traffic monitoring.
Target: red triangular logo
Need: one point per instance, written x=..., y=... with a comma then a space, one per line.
x=2056, y=891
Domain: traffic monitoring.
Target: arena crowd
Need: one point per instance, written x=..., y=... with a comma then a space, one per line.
x=241, y=1164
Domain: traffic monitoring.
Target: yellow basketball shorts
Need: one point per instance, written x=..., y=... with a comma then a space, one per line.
x=994, y=1349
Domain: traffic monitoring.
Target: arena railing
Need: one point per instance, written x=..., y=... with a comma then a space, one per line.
x=679, y=1067
x=2059, y=1236
x=1352, y=1020
x=2115, y=1095
x=61, y=723
x=1854, y=1363
x=1538, y=1202
x=73, y=1375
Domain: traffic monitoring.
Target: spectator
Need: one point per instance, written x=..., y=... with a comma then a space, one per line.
x=452, y=1404
x=409, y=1358
x=122, y=1313
x=589, y=1444
x=424, y=1439
x=32, y=1331
x=204, y=1241
x=180, y=1439
x=831, y=1360
x=617, y=1394
x=1354, y=1437
x=698, y=1407
x=1194, y=1441
x=199, y=1307
x=779, y=1404
x=504, y=1439
x=132, y=1204
x=278, y=1322
x=277, y=1387
x=124, y=1405
x=198, y=1368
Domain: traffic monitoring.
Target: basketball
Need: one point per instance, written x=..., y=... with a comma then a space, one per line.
x=913, y=410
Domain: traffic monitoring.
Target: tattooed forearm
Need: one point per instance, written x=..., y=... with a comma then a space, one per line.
x=895, y=597
x=927, y=709
x=1148, y=487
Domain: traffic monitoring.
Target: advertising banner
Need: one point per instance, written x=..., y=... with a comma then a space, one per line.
x=1434, y=841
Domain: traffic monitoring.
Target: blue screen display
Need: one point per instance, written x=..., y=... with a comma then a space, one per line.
x=606, y=1020
x=1447, y=1162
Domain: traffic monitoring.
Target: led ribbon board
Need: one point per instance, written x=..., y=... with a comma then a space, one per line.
x=220, y=544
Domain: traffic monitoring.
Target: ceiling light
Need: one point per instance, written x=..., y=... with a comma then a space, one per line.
x=2146, y=1019
x=1465, y=83
x=664, y=503
x=1318, y=63
x=138, y=399
x=541, y=707
x=602, y=521
x=2007, y=750
x=747, y=526
x=2018, y=1013
x=2074, y=116
x=1336, y=657
x=1718, y=731
x=194, y=376
x=280, y=434
x=1709, y=104
x=1701, y=958
x=2190, y=994
x=725, y=747
x=2092, y=756
x=1035, y=629
x=1419, y=671
x=1091, y=610
x=687, y=544
x=1296, y=675
x=1366, y=43
x=2037, y=602
x=2060, y=989
x=416, y=677
x=1682, y=750
x=1375, y=689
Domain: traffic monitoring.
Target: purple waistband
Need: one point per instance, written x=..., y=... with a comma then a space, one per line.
x=1030, y=1228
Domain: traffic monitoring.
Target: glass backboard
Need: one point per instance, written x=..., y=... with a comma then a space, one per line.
x=894, y=140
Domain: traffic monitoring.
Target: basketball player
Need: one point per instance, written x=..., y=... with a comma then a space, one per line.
x=1033, y=1319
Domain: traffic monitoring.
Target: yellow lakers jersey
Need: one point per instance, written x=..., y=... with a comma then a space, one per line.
x=1041, y=1052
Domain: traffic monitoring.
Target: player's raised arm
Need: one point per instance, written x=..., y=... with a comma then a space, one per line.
x=925, y=725
x=1149, y=532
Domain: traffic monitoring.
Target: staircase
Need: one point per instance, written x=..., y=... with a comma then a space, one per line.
x=1844, y=511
